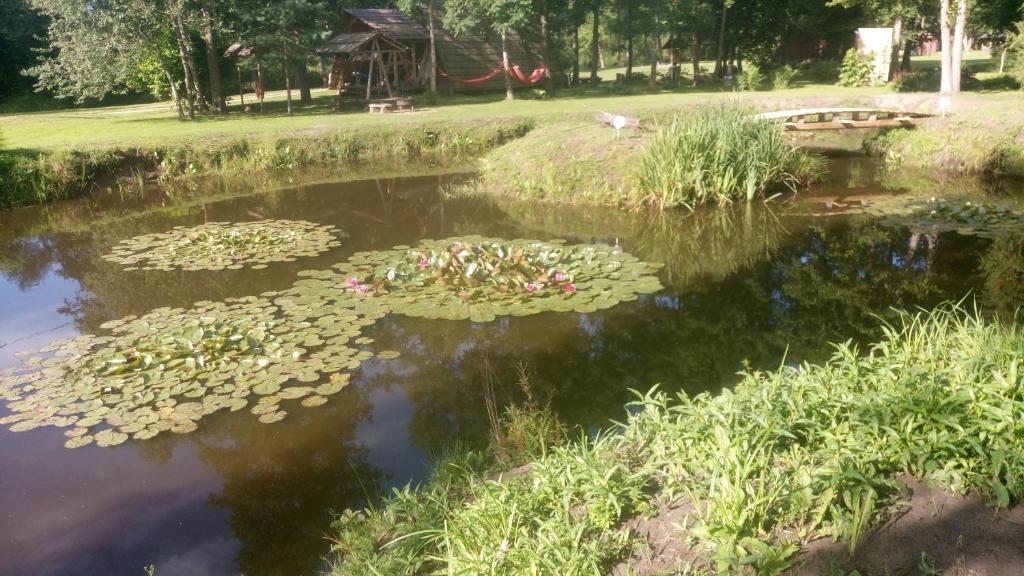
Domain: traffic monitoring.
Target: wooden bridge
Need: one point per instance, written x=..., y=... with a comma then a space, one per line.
x=842, y=118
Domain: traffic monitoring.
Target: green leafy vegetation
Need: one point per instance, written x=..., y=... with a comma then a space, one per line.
x=785, y=457
x=28, y=178
x=480, y=278
x=856, y=70
x=220, y=245
x=718, y=154
x=168, y=369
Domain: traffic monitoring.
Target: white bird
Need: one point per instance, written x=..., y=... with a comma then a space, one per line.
x=944, y=105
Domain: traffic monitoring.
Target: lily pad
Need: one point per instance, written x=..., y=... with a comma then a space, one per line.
x=220, y=245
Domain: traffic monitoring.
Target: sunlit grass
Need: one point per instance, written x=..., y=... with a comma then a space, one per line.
x=786, y=456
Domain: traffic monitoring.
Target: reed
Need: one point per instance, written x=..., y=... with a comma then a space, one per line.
x=718, y=154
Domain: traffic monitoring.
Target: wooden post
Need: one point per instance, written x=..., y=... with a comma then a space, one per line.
x=384, y=74
x=241, y=89
x=369, y=77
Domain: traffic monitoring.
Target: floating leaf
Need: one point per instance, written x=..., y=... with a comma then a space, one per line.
x=220, y=245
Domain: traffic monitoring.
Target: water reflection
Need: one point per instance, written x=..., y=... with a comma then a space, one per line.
x=743, y=288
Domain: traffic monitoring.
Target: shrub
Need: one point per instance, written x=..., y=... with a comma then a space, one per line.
x=717, y=154
x=823, y=71
x=926, y=80
x=1016, y=53
x=750, y=79
x=782, y=78
x=856, y=70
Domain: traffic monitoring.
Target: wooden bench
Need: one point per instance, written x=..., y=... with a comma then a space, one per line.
x=404, y=105
x=381, y=107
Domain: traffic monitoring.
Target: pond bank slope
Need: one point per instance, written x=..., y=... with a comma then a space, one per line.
x=749, y=477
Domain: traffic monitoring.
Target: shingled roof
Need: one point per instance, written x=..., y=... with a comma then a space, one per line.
x=392, y=23
x=352, y=42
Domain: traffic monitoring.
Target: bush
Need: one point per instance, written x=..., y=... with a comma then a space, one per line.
x=782, y=78
x=718, y=154
x=926, y=80
x=750, y=79
x=821, y=71
x=1016, y=53
x=856, y=70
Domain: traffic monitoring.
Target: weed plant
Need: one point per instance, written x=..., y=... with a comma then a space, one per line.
x=786, y=456
x=719, y=154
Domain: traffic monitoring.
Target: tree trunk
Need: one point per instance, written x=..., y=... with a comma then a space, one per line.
x=897, y=40
x=696, y=58
x=576, y=55
x=720, y=57
x=545, y=38
x=652, y=82
x=629, y=40
x=595, y=46
x=958, y=44
x=946, y=47
x=908, y=51
x=189, y=61
x=172, y=84
x=288, y=83
x=213, y=60
x=302, y=83
x=190, y=89
x=1002, y=59
x=509, y=94
x=433, y=51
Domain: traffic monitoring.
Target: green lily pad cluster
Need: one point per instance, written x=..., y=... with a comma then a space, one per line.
x=168, y=369
x=968, y=217
x=479, y=278
x=225, y=245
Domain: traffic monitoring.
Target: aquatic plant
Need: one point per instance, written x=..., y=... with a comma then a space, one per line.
x=972, y=217
x=783, y=458
x=718, y=154
x=220, y=245
x=166, y=370
x=479, y=278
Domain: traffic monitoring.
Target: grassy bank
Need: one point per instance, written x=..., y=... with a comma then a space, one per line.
x=749, y=476
x=35, y=177
x=984, y=134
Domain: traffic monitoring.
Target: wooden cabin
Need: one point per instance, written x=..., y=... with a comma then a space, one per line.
x=470, y=57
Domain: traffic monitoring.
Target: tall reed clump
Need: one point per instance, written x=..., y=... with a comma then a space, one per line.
x=783, y=458
x=718, y=154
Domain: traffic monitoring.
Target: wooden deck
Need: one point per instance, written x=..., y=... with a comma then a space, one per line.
x=842, y=118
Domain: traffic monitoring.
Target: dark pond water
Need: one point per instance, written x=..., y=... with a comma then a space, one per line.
x=743, y=287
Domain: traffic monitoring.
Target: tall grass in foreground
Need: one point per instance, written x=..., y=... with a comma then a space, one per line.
x=785, y=457
x=718, y=154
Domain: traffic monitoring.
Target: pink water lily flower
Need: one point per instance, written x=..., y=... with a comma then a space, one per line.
x=559, y=277
x=352, y=282
x=534, y=286
x=570, y=288
x=362, y=288
x=423, y=263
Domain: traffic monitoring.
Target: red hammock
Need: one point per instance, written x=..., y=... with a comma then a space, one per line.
x=478, y=80
x=531, y=80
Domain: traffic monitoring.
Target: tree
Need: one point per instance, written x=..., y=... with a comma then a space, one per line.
x=101, y=51
x=500, y=16
x=285, y=33
x=21, y=28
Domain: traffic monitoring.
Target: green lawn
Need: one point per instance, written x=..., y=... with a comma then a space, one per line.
x=141, y=125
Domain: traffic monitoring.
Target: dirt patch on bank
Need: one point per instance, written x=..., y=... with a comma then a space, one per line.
x=935, y=533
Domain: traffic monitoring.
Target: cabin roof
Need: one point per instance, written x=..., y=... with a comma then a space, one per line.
x=354, y=42
x=392, y=23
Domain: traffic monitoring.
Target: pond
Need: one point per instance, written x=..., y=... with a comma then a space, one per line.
x=743, y=288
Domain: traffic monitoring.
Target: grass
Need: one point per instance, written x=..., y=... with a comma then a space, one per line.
x=718, y=154
x=783, y=458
